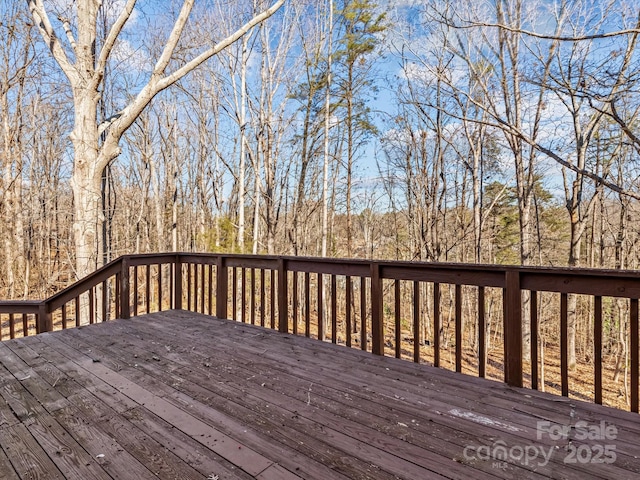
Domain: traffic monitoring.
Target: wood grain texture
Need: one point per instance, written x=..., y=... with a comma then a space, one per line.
x=183, y=395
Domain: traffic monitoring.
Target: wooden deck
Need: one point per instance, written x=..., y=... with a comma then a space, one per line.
x=178, y=395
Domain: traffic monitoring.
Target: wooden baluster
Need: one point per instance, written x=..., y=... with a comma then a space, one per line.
x=77, y=307
x=363, y=313
x=416, y=322
x=307, y=304
x=135, y=291
x=512, y=324
x=564, y=358
x=273, y=299
x=533, y=327
x=634, y=351
x=482, y=334
x=64, y=316
x=202, y=288
x=597, y=348
x=125, y=289
x=283, y=297
x=458, y=326
x=92, y=306
x=104, y=301
x=234, y=289
x=320, y=307
x=294, y=301
x=436, y=324
x=210, y=290
x=148, y=288
x=12, y=327
x=334, y=310
x=398, y=318
x=377, y=320
x=347, y=313
x=172, y=285
x=222, y=288
x=117, y=296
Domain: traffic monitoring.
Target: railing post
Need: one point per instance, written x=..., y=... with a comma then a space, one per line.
x=377, y=324
x=222, y=287
x=177, y=283
x=125, y=297
x=44, y=323
x=283, y=297
x=512, y=318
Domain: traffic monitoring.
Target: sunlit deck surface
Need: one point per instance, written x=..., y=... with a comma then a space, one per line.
x=178, y=395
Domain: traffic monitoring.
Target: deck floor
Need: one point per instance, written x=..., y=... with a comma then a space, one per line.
x=178, y=395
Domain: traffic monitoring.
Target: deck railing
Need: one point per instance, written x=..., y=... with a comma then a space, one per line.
x=414, y=310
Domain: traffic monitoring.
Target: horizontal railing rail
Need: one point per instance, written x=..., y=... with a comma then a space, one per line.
x=467, y=317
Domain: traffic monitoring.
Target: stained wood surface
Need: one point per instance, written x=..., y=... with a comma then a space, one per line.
x=179, y=395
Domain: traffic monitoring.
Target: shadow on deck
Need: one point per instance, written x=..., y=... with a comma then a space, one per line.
x=181, y=395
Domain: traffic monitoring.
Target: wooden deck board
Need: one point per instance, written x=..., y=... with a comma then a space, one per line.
x=182, y=395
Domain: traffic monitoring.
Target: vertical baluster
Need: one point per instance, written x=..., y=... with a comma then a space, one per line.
x=12, y=327
x=116, y=280
x=347, y=311
x=273, y=299
x=533, y=327
x=234, y=292
x=210, y=290
x=597, y=348
x=458, y=328
x=307, y=304
x=334, y=310
x=92, y=306
x=436, y=324
x=64, y=316
x=202, y=287
x=189, y=286
x=222, y=288
x=172, y=285
x=320, y=307
x=363, y=313
x=377, y=313
x=635, y=348
x=147, y=287
x=283, y=296
x=196, y=287
x=104, y=301
x=25, y=325
x=77, y=306
x=398, y=318
x=416, y=321
x=294, y=300
x=564, y=359
x=159, y=287
x=482, y=334
x=135, y=291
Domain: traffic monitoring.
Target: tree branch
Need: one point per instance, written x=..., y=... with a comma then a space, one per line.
x=110, y=41
x=129, y=114
x=560, y=38
x=47, y=32
x=173, y=39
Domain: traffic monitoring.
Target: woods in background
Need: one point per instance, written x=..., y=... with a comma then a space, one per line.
x=496, y=132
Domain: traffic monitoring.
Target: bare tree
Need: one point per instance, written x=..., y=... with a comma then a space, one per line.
x=83, y=63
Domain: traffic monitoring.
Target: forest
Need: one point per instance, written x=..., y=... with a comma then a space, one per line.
x=498, y=131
